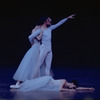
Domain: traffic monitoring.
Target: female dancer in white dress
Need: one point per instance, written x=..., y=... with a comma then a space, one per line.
x=27, y=66
x=47, y=83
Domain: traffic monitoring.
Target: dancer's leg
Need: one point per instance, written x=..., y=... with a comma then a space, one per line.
x=48, y=61
x=18, y=82
x=42, y=56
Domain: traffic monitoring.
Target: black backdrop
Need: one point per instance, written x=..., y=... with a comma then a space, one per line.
x=75, y=43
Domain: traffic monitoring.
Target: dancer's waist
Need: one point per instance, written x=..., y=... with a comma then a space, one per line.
x=47, y=46
x=47, y=43
x=36, y=44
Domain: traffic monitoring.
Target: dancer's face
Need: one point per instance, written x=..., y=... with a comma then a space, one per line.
x=48, y=21
x=71, y=85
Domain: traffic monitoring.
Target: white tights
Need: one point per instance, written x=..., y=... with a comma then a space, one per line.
x=45, y=55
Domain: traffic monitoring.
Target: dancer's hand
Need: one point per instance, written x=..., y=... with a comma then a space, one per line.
x=71, y=16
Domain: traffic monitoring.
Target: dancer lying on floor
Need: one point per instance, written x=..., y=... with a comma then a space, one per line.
x=47, y=83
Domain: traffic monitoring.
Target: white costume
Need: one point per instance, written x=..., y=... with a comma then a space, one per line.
x=45, y=83
x=45, y=48
x=26, y=68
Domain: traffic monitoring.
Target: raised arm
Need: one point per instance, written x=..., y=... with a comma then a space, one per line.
x=34, y=34
x=58, y=24
x=61, y=22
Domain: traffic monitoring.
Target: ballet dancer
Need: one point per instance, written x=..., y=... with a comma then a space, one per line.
x=45, y=48
x=47, y=83
x=27, y=66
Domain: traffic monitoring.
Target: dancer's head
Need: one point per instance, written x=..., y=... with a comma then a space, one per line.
x=45, y=20
x=48, y=22
x=72, y=85
x=75, y=83
x=41, y=20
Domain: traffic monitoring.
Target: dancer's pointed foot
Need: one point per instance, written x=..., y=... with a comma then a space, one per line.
x=16, y=86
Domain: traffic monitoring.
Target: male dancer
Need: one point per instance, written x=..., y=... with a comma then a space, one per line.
x=45, y=48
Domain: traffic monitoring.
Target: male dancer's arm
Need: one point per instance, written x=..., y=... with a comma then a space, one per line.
x=61, y=22
x=58, y=24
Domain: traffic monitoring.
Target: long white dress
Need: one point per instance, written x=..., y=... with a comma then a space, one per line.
x=26, y=67
x=45, y=83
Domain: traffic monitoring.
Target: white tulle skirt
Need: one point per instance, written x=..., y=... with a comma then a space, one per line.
x=27, y=66
x=45, y=83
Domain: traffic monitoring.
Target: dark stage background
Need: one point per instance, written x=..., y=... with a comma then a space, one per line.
x=75, y=43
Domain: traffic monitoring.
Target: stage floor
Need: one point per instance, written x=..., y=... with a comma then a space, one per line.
x=87, y=77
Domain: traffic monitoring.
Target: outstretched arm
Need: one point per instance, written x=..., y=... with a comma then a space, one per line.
x=79, y=89
x=62, y=21
x=87, y=89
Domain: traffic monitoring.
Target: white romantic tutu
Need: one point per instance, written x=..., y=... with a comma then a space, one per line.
x=27, y=66
x=45, y=83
